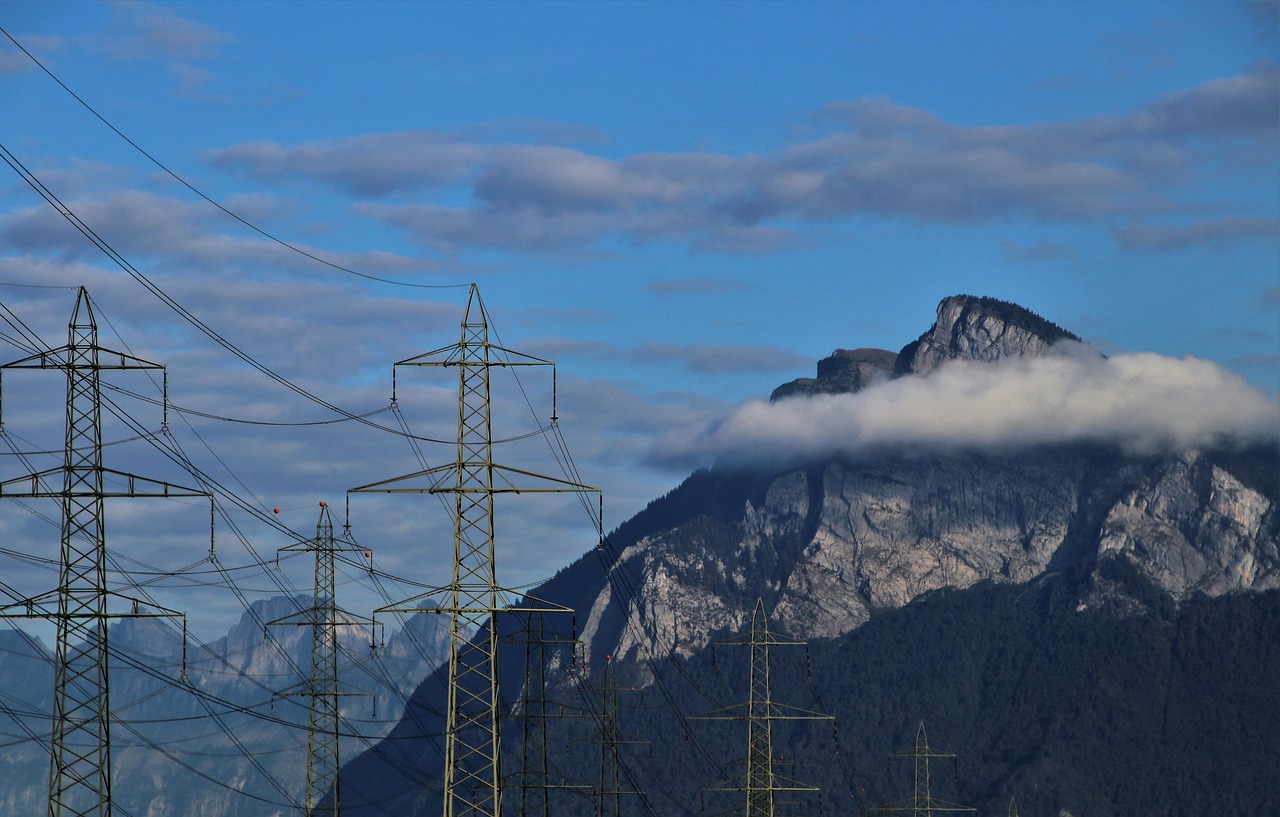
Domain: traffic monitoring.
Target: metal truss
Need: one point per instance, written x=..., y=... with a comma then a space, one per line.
x=80, y=756
x=321, y=687
x=760, y=712
x=473, y=782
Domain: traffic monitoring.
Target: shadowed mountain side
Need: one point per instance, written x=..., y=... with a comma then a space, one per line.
x=1088, y=550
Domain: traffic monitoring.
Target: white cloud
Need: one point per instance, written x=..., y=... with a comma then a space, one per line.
x=1140, y=401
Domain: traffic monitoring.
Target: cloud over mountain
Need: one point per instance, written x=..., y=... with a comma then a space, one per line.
x=1139, y=401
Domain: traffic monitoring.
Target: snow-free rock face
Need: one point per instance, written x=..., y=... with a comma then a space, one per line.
x=893, y=529
x=970, y=328
x=1191, y=526
x=832, y=545
x=843, y=371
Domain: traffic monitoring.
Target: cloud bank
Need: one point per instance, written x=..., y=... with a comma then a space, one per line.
x=1142, y=402
x=877, y=158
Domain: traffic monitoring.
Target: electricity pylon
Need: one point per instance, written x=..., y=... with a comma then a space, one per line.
x=321, y=686
x=922, y=801
x=534, y=777
x=472, y=775
x=80, y=755
x=609, y=789
x=760, y=712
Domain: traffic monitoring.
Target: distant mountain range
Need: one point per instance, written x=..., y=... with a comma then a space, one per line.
x=1070, y=616
x=171, y=757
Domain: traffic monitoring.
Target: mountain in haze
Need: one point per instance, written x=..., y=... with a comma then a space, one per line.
x=1033, y=597
x=171, y=757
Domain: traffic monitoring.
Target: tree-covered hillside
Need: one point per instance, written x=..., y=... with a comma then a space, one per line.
x=1172, y=712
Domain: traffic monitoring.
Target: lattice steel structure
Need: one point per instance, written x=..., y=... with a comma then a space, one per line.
x=922, y=801
x=609, y=789
x=533, y=779
x=322, y=798
x=473, y=782
x=760, y=712
x=533, y=725
x=80, y=756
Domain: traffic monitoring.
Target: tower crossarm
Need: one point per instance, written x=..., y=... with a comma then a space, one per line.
x=62, y=358
x=543, y=484
x=135, y=486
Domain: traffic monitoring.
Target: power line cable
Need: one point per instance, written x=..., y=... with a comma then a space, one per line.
x=194, y=190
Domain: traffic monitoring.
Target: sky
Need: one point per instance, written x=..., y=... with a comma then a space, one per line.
x=681, y=204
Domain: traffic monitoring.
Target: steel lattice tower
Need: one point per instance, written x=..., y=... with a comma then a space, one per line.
x=472, y=783
x=533, y=739
x=321, y=687
x=922, y=801
x=80, y=756
x=761, y=711
x=609, y=787
x=534, y=782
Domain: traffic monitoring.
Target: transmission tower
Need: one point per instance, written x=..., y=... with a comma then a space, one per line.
x=609, y=789
x=80, y=755
x=759, y=713
x=321, y=686
x=534, y=776
x=472, y=779
x=922, y=801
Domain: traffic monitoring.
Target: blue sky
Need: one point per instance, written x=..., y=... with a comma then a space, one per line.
x=683, y=204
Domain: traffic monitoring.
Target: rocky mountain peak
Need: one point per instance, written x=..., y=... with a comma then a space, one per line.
x=974, y=328
x=967, y=328
x=844, y=370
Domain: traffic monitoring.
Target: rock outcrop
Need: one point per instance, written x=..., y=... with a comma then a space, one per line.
x=970, y=328
x=844, y=371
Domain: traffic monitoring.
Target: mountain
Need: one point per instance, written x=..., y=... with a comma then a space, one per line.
x=171, y=756
x=1023, y=595
x=831, y=543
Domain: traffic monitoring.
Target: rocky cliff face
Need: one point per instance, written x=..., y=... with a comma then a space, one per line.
x=830, y=545
x=844, y=370
x=970, y=328
x=843, y=541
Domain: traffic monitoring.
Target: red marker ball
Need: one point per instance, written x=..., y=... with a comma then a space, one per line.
x=322, y=504
x=277, y=510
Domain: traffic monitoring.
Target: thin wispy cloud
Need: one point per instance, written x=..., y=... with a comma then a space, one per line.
x=1041, y=252
x=182, y=231
x=711, y=359
x=13, y=61
x=1223, y=232
x=148, y=31
x=694, y=286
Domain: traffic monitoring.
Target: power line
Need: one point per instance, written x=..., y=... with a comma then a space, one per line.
x=193, y=189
